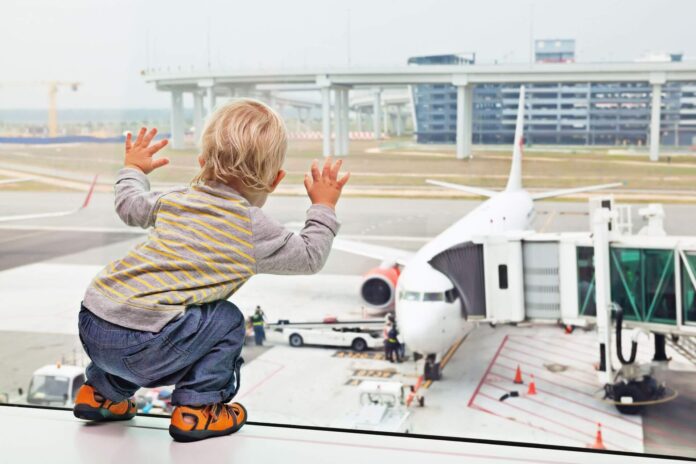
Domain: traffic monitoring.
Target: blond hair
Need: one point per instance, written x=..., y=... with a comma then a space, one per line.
x=244, y=140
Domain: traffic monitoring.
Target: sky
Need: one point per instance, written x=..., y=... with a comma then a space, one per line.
x=104, y=44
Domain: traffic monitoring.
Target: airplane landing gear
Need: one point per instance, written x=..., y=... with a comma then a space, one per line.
x=432, y=369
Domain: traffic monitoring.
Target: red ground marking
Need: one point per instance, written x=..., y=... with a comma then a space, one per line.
x=564, y=411
x=546, y=379
x=264, y=380
x=536, y=427
x=588, y=358
x=547, y=359
x=488, y=369
x=560, y=424
x=564, y=374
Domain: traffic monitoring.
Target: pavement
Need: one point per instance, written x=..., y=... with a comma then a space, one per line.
x=45, y=265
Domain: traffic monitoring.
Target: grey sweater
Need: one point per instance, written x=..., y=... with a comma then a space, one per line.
x=206, y=241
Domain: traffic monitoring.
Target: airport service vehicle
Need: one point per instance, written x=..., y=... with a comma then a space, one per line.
x=55, y=385
x=358, y=335
x=382, y=407
x=435, y=290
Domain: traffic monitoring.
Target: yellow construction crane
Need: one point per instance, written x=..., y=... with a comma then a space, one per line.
x=52, y=97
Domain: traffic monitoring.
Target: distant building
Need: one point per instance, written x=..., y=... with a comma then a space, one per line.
x=554, y=51
x=557, y=113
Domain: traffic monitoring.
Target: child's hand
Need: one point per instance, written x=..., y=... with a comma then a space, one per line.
x=324, y=188
x=139, y=154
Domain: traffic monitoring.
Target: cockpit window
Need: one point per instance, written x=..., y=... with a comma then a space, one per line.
x=411, y=296
x=433, y=296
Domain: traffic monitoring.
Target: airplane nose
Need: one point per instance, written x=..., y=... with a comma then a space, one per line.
x=421, y=328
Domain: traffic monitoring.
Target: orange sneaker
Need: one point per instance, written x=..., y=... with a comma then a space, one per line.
x=193, y=423
x=91, y=405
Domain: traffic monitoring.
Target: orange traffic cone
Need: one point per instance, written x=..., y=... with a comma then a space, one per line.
x=518, y=376
x=532, y=387
x=599, y=443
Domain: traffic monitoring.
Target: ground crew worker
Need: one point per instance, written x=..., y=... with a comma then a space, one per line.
x=257, y=322
x=393, y=345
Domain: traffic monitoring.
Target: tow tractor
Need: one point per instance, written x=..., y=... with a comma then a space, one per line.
x=357, y=335
x=382, y=407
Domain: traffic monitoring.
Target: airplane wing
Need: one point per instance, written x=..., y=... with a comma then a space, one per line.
x=464, y=188
x=367, y=250
x=56, y=213
x=572, y=191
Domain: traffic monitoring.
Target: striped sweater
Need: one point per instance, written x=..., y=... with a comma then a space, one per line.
x=205, y=242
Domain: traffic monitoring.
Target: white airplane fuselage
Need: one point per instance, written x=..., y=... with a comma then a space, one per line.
x=428, y=323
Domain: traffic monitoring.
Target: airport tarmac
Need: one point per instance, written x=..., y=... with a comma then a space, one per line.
x=45, y=265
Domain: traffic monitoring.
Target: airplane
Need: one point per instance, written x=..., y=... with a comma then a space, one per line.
x=434, y=290
x=21, y=217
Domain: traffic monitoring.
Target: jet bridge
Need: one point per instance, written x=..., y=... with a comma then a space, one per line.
x=551, y=276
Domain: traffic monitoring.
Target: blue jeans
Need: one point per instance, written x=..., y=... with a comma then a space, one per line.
x=259, y=335
x=198, y=353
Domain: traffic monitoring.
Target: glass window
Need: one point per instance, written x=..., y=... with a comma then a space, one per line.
x=503, y=276
x=48, y=388
x=587, y=304
x=642, y=283
x=410, y=296
x=433, y=296
x=688, y=289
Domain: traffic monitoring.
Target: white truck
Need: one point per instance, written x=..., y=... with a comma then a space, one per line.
x=55, y=385
x=356, y=338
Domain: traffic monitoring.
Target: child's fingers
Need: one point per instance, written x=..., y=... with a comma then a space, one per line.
x=307, y=182
x=159, y=162
x=158, y=146
x=129, y=140
x=141, y=134
x=343, y=180
x=150, y=135
x=327, y=168
x=315, y=171
x=335, y=168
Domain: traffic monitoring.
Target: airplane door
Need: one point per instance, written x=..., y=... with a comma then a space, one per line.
x=463, y=265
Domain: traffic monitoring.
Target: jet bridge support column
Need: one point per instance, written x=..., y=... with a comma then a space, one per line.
x=345, y=120
x=177, y=120
x=465, y=108
x=656, y=82
x=600, y=232
x=338, y=121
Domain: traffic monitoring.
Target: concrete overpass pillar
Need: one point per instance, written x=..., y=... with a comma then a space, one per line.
x=464, y=120
x=386, y=115
x=345, y=120
x=358, y=114
x=655, y=116
x=177, y=120
x=198, y=116
x=338, y=121
x=326, y=120
x=211, y=99
x=377, y=113
x=399, y=122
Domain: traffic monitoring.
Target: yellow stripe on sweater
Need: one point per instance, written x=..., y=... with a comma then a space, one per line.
x=206, y=237
x=207, y=226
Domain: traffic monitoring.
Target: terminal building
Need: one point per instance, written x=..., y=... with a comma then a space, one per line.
x=582, y=113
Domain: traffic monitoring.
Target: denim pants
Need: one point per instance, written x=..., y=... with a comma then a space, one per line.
x=198, y=353
x=259, y=335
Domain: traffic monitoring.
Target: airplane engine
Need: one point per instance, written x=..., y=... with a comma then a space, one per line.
x=378, y=289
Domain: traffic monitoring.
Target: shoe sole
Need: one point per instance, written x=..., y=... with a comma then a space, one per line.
x=196, y=435
x=83, y=411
